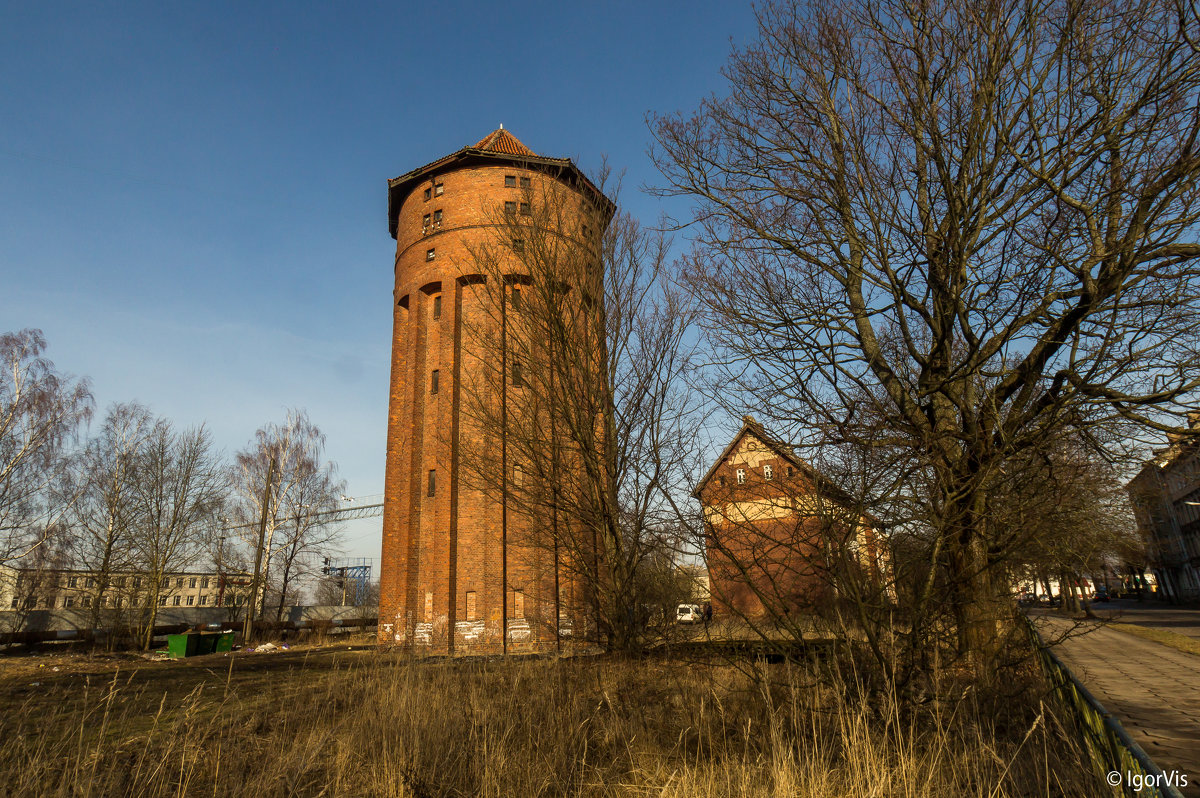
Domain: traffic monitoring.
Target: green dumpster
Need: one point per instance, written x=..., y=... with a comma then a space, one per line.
x=194, y=644
x=182, y=645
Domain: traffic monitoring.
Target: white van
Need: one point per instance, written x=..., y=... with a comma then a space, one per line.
x=689, y=613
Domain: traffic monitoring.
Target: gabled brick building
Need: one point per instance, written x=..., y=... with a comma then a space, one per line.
x=454, y=574
x=777, y=530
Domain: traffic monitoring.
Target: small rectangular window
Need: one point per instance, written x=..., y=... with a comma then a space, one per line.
x=790, y=471
x=510, y=208
x=437, y=218
x=73, y=581
x=525, y=209
x=517, y=377
x=175, y=601
x=179, y=582
x=428, y=193
x=203, y=582
x=741, y=476
x=432, y=482
x=191, y=600
x=767, y=473
x=437, y=306
x=516, y=299
x=203, y=601
x=69, y=601
x=425, y=221
x=721, y=481
x=510, y=181
x=137, y=582
x=525, y=183
x=438, y=188
x=433, y=382
x=90, y=582
x=518, y=245
x=429, y=254
x=471, y=605
x=192, y=583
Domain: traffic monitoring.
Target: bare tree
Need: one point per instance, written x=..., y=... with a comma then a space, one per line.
x=581, y=349
x=303, y=492
x=104, y=513
x=947, y=231
x=179, y=492
x=40, y=413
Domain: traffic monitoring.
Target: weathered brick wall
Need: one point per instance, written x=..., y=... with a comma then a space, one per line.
x=438, y=549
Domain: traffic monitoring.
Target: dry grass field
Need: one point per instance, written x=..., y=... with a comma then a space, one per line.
x=353, y=721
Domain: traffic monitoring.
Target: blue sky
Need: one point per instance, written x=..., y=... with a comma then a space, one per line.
x=193, y=197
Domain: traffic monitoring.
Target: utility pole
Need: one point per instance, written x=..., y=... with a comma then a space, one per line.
x=248, y=628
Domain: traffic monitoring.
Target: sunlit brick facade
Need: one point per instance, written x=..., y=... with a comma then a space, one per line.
x=455, y=577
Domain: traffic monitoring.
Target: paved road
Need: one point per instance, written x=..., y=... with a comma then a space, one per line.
x=1151, y=613
x=1154, y=690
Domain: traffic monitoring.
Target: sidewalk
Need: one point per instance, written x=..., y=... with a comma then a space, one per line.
x=1152, y=689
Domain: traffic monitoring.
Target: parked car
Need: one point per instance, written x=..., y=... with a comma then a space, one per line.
x=689, y=613
x=1027, y=599
x=1101, y=594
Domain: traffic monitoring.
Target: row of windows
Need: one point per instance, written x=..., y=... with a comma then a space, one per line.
x=514, y=298
x=471, y=605
x=68, y=602
x=768, y=473
x=510, y=181
x=119, y=582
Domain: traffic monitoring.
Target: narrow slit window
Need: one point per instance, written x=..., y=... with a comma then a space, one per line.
x=432, y=482
x=741, y=476
x=518, y=378
x=767, y=472
x=516, y=299
x=790, y=471
x=433, y=382
x=437, y=306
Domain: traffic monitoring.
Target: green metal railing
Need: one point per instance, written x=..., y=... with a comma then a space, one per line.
x=1110, y=745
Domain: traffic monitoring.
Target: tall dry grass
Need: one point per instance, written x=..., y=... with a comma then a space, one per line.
x=374, y=725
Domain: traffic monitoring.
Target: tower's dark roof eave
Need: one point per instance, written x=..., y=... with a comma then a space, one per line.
x=400, y=187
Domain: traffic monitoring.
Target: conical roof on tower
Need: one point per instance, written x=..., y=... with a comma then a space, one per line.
x=499, y=146
x=500, y=140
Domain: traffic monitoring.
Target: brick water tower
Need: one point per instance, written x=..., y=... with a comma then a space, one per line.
x=456, y=575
